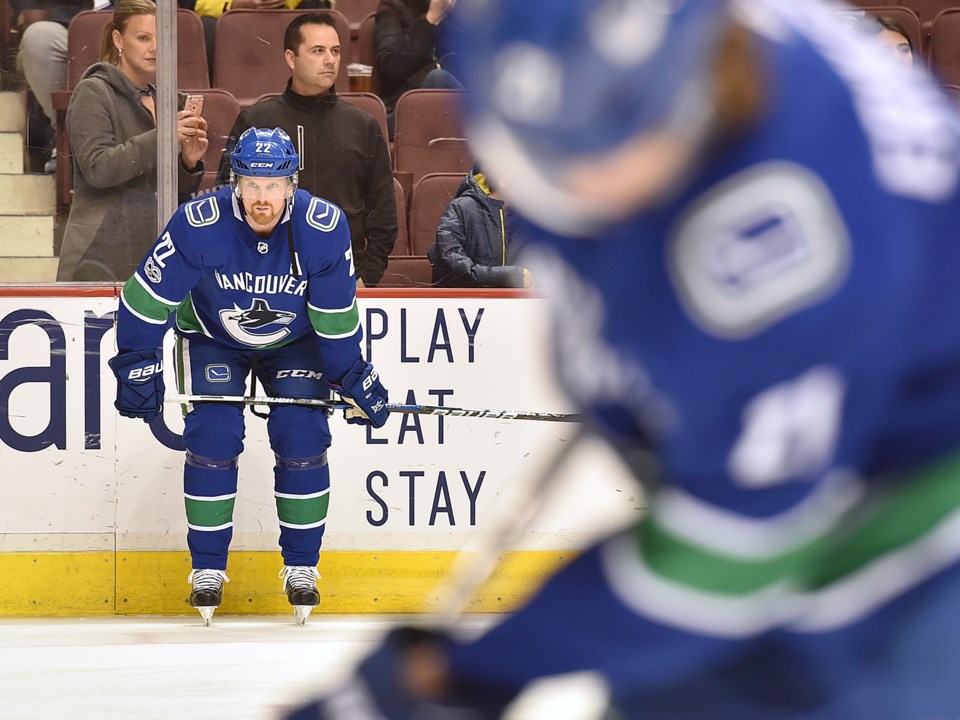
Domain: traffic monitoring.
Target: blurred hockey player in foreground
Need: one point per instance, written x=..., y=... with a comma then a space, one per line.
x=745, y=215
x=261, y=278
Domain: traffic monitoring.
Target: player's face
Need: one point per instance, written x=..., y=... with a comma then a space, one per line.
x=264, y=199
x=898, y=45
x=316, y=64
x=138, y=46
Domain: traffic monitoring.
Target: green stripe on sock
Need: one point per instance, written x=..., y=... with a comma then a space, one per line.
x=302, y=511
x=209, y=513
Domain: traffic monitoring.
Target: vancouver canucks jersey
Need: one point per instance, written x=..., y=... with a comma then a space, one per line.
x=782, y=332
x=243, y=291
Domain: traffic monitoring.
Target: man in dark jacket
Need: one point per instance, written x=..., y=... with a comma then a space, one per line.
x=343, y=154
x=474, y=246
x=405, y=39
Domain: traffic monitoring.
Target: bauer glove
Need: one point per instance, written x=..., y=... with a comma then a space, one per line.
x=379, y=687
x=139, y=384
x=361, y=387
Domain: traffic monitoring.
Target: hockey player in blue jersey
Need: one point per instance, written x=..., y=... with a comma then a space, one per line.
x=260, y=276
x=745, y=216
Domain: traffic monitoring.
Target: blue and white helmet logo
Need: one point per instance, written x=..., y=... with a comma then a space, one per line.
x=259, y=325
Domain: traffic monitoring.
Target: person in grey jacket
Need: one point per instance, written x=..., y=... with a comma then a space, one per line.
x=111, y=121
x=474, y=245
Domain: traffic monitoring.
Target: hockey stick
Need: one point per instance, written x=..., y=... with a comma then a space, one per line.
x=407, y=409
x=480, y=556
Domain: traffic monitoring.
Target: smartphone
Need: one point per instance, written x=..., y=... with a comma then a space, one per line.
x=195, y=103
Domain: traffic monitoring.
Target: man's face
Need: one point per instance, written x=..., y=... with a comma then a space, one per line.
x=316, y=64
x=264, y=199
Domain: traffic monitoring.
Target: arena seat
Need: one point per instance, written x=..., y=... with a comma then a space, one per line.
x=945, y=47
x=402, y=246
x=407, y=271
x=367, y=49
x=248, y=54
x=429, y=135
x=430, y=198
x=355, y=11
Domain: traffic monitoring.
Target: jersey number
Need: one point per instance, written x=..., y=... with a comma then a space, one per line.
x=163, y=249
x=789, y=430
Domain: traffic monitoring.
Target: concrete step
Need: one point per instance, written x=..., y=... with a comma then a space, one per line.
x=11, y=153
x=13, y=112
x=28, y=269
x=31, y=194
x=26, y=236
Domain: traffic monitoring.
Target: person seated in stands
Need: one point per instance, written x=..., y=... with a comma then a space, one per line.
x=112, y=124
x=42, y=56
x=894, y=35
x=475, y=245
x=405, y=40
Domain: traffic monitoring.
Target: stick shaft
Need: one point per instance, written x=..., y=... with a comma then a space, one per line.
x=407, y=409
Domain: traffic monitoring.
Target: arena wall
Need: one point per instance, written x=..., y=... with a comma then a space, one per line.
x=91, y=509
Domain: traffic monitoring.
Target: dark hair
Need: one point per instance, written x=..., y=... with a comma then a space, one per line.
x=888, y=23
x=292, y=37
x=122, y=12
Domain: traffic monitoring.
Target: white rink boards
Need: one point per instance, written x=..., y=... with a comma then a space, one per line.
x=95, y=501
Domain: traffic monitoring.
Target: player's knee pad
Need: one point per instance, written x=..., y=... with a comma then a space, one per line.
x=298, y=432
x=214, y=431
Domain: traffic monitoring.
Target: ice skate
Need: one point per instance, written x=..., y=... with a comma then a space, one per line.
x=207, y=592
x=300, y=585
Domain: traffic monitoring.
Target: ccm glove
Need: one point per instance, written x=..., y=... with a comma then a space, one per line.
x=139, y=384
x=361, y=387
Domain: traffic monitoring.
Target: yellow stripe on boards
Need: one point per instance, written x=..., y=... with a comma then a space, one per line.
x=65, y=584
x=155, y=583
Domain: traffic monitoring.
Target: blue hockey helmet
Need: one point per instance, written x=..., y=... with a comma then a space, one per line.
x=265, y=152
x=552, y=82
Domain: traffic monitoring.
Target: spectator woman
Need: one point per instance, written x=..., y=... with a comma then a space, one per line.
x=112, y=125
x=894, y=35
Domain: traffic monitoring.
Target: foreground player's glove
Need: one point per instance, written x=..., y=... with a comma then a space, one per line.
x=139, y=384
x=380, y=687
x=361, y=387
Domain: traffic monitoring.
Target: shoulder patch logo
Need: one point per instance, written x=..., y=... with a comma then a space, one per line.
x=152, y=272
x=761, y=245
x=201, y=213
x=322, y=215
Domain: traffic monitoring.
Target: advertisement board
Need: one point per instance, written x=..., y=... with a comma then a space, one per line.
x=93, y=502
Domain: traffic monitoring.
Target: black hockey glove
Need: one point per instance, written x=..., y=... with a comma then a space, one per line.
x=361, y=386
x=139, y=384
x=377, y=689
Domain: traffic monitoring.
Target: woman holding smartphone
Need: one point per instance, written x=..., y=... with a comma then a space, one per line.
x=112, y=125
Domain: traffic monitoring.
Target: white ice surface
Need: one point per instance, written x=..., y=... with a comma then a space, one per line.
x=241, y=668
